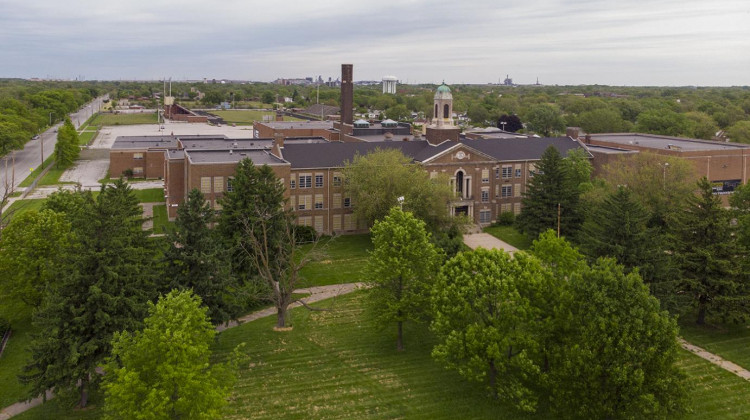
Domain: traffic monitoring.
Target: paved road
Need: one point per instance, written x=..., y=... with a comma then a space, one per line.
x=31, y=155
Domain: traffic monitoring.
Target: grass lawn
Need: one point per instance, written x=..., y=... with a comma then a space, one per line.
x=151, y=195
x=86, y=137
x=510, y=235
x=22, y=206
x=341, y=260
x=124, y=119
x=728, y=341
x=16, y=352
x=52, y=177
x=161, y=220
x=29, y=179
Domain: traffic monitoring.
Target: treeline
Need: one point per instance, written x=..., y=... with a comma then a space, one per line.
x=27, y=108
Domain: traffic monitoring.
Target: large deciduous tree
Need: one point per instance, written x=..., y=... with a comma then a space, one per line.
x=101, y=286
x=602, y=120
x=617, y=357
x=376, y=180
x=544, y=119
x=30, y=250
x=489, y=320
x=196, y=260
x=164, y=371
x=710, y=257
x=66, y=148
x=553, y=190
x=401, y=269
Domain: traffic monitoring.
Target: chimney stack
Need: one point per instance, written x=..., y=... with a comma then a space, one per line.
x=278, y=144
x=347, y=94
x=572, y=132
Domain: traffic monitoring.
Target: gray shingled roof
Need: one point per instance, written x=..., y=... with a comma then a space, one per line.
x=259, y=157
x=522, y=149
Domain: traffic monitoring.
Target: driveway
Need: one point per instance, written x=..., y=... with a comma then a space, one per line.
x=487, y=241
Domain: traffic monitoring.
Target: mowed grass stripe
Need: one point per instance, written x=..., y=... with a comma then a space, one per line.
x=715, y=393
x=730, y=341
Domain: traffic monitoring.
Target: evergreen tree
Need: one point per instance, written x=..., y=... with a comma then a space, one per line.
x=66, y=148
x=710, y=257
x=195, y=260
x=618, y=228
x=551, y=189
x=101, y=286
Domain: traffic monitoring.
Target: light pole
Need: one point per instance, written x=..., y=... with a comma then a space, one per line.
x=401, y=202
x=503, y=124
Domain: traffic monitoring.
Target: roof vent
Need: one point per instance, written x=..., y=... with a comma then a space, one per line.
x=235, y=144
x=230, y=151
x=243, y=154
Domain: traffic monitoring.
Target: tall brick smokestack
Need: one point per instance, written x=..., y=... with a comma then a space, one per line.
x=347, y=94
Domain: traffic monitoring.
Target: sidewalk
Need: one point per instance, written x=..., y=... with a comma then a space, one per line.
x=487, y=241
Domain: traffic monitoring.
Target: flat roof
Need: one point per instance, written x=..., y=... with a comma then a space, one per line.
x=145, y=142
x=609, y=150
x=225, y=144
x=175, y=154
x=259, y=157
x=655, y=141
x=381, y=137
x=289, y=125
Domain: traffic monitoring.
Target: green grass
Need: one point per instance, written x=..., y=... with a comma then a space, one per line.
x=16, y=352
x=32, y=176
x=151, y=195
x=339, y=365
x=732, y=342
x=22, y=206
x=340, y=260
x=161, y=220
x=86, y=137
x=124, y=119
x=52, y=177
x=510, y=235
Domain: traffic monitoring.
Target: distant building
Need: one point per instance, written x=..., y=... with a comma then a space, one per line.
x=508, y=81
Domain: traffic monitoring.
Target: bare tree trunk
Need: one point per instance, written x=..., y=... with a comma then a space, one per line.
x=493, y=378
x=400, y=339
x=701, y=313
x=281, y=316
x=84, y=393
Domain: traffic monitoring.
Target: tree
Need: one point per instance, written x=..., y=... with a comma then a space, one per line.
x=512, y=123
x=66, y=148
x=602, y=120
x=400, y=270
x=263, y=235
x=195, y=259
x=704, y=127
x=489, y=321
x=618, y=357
x=478, y=114
x=739, y=132
x=268, y=97
x=618, y=228
x=544, y=119
x=552, y=190
x=709, y=255
x=101, y=286
x=375, y=181
x=29, y=251
x=663, y=121
x=163, y=371
x=398, y=113
x=213, y=98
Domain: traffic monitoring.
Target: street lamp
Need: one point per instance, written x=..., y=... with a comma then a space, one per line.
x=401, y=202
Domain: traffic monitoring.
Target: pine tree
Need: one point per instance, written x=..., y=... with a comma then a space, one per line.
x=551, y=189
x=710, y=257
x=195, y=259
x=101, y=286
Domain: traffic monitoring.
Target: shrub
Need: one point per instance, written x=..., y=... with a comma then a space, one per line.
x=127, y=173
x=506, y=218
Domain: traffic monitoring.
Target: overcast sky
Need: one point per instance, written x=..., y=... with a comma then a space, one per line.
x=616, y=42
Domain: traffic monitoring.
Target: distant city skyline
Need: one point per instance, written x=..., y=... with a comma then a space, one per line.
x=564, y=42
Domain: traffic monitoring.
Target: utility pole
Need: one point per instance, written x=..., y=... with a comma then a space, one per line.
x=41, y=143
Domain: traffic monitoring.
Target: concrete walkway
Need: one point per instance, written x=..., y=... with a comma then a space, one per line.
x=317, y=293
x=718, y=361
x=487, y=241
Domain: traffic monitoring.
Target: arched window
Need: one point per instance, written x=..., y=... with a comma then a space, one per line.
x=436, y=111
x=445, y=111
x=460, y=183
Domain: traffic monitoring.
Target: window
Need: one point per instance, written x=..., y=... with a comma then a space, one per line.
x=485, y=216
x=319, y=201
x=305, y=181
x=230, y=180
x=507, y=191
x=217, y=206
x=517, y=208
x=497, y=173
x=293, y=202
x=485, y=176
x=347, y=202
x=305, y=221
x=336, y=179
x=138, y=155
x=507, y=171
x=318, y=225
x=218, y=184
x=518, y=190
x=433, y=175
x=518, y=172
x=485, y=195
x=337, y=201
x=349, y=222
x=206, y=184
x=532, y=170
x=318, y=180
x=304, y=202
x=293, y=182
x=497, y=191
x=138, y=170
x=336, y=222
x=506, y=207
